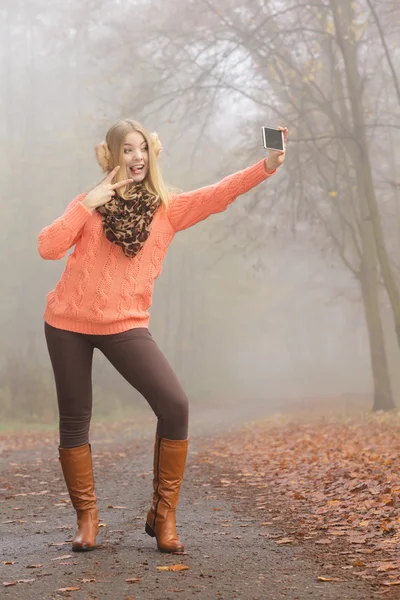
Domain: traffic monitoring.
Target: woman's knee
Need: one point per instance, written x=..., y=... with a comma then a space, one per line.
x=174, y=418
x=181, y=409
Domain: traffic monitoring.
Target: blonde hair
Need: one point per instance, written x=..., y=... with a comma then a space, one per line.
x=110, y=153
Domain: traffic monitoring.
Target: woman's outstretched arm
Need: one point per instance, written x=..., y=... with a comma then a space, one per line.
x=190, y=208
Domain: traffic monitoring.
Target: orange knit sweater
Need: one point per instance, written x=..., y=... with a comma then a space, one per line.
x=101, y=291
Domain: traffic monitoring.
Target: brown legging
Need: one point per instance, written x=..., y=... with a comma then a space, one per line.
x=136, y=356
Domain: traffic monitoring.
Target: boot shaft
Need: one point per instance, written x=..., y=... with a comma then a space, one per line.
x=169, y=467
x=76, y=464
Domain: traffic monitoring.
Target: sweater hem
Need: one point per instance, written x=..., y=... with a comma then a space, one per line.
x=95, y=328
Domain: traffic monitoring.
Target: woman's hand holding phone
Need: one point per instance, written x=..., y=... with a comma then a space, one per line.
x=275, y=157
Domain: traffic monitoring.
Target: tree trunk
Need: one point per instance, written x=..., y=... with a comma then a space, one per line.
x=368, y=276
x=383, y=399
x=343, y=15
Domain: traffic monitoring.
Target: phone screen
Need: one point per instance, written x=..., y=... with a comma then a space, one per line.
x=272, y=138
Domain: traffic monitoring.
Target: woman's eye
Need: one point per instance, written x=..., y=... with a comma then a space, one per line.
x=126, y=150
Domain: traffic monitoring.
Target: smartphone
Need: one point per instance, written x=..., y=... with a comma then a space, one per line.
x=273, y=139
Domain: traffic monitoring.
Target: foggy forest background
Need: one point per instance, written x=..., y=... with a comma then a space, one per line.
x=295, y=290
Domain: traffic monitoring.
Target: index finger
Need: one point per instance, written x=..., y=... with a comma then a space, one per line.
x=120, y=184
x=111, y=175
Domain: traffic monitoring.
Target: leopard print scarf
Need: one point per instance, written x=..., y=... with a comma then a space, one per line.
x=127, y=223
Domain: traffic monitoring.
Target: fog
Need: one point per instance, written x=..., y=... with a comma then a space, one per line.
x=294, y=291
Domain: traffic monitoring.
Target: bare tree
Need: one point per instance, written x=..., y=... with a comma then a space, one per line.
x=303, y=62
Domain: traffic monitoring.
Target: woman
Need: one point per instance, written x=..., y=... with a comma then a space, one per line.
x=121, y=231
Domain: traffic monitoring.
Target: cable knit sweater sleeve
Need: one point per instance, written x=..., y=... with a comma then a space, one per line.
x=190, y=208
x=64, y=232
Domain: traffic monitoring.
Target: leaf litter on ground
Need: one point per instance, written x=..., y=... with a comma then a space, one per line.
x=336, y=478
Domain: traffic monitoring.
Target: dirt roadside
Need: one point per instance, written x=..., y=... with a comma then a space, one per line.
x=226, y=552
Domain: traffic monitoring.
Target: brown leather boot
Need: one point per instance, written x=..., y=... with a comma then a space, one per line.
x=169, y=467
x=77, y=468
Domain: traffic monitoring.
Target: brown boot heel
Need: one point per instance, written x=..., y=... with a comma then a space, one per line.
x=149, y=531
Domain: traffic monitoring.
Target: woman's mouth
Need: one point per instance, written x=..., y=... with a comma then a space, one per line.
x=136, y=169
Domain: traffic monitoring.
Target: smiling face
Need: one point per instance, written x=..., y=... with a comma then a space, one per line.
x=136, y=156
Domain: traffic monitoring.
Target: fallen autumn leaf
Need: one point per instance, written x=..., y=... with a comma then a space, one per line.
x=173, y=568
